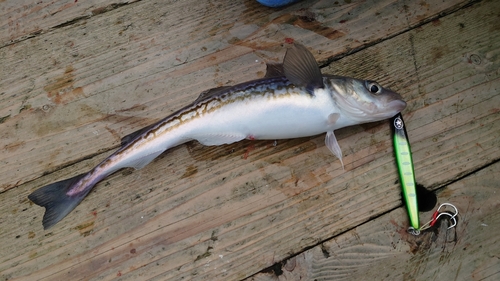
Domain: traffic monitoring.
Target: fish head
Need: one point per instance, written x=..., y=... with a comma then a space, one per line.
x=364, y=100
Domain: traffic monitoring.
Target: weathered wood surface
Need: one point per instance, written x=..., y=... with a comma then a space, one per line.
x=23, y=19
x=100, y=78
x=69, y=93
x=382, y=250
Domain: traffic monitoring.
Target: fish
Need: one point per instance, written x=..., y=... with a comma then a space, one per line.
x=294, y=99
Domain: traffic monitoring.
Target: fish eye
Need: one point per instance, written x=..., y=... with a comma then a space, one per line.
x=373, y=87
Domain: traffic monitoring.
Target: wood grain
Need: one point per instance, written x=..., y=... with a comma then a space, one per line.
x=227, y=212
x=98, y=79
x=24, y=19
x=382, y=250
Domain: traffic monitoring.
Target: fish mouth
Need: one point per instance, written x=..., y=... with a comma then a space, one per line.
x=397, y=105
x=370, y=111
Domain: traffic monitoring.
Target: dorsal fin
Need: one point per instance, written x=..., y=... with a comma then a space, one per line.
x=211, y=92
x=301, y=68
x=130, y=137
x=274, y=70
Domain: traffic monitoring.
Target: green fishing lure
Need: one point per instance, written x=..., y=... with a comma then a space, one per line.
x=406, y=172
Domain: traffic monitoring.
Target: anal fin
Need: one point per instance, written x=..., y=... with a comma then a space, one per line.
x=141, y=162
x=333, y=146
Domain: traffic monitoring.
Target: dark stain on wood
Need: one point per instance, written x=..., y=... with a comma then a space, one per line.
x=134, y=108
x=205, y=255
x=438, y=52
x=62, y=91
x=276, y=269
x=4, y=118
x=86, y=228
x=190, y=170
x=324, y=250
x=14, y=146
x=114, y=133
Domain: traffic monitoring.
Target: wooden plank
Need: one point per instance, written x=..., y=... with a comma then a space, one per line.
x=445, y=147
x=382, y=249
x=99, y=79
x=226, y=212
x=24, y=19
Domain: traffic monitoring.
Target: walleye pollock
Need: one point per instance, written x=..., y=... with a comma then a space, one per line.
x=293, y=100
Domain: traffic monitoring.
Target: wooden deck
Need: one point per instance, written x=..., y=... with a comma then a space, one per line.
x=76, y=76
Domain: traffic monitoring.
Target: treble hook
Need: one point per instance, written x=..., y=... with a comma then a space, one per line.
x=435, y=217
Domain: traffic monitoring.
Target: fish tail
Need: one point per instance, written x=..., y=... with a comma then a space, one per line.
x=56, y=201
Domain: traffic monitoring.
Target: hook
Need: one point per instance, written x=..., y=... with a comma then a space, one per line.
x=451, y=205
x=452, y=218
x=437, y=214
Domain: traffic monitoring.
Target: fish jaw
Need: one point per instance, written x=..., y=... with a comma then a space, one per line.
x=358, y=104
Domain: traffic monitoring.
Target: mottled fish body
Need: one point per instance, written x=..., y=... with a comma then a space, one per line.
x=294, y=100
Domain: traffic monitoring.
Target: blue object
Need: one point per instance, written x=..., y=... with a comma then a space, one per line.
x=276, y=3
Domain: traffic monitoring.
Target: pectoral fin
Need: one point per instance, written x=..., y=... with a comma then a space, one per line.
x=333, y=118
x=333, y=146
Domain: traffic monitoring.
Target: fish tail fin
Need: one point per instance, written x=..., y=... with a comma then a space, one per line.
x=56, y=201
